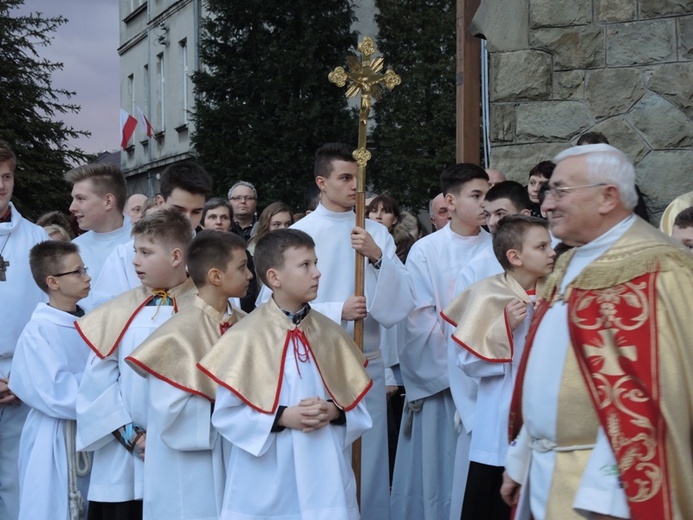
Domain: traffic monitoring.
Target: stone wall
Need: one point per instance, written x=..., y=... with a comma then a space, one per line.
x=620, y=67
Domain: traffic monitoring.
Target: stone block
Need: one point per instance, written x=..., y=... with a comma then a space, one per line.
x=685, y=37
x=515, y=161
x=616, y=10
x=623, y=137
x=573, y=47
x=520, y=75
x=613, y=91
x=674, y=81
x=641, y=43
x=552, y=121
x=543, y=13
x=664, y=175
x=661, y=124
x=504, y=24
x=502, y=123
x=660, y=8
x=569, y=85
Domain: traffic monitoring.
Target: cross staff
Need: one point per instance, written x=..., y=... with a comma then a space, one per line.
x=364, y=78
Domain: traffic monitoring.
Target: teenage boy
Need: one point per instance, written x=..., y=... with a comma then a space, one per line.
x=184, y=187
x=19, y=295
x=388, y=299
x=112, y=399
x=538, y=176
x=683, y=228
x=422, y=484
x=493, y=319
x=46, y=371
x=187, y=455
x=290, y=398
x=99, y=193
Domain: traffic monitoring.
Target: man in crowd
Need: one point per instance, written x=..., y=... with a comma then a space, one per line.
x=243, y=199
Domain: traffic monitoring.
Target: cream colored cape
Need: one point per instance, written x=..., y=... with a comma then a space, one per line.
x=249, y=359
x=172, y=352
x=104, y=327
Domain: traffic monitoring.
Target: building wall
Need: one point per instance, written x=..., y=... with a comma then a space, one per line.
x=158, y=55
x=620, y=67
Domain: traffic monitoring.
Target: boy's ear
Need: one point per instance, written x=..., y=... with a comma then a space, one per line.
x=450, y=200
x=320, y=181
x=110, y=200
x=513, y=256
x=159, y=200
x=214, y=276
x=52, y=283
x=177, y=256
x=273, y=280
x=526, y=213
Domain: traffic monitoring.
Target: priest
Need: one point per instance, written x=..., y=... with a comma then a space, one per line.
x=600, y=418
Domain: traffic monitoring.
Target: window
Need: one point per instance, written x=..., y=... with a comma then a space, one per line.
x=160, y=92
x=184, y=77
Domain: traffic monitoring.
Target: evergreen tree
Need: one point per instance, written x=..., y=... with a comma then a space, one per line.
x=414, y=135
x=264, y=102
x=30, y=111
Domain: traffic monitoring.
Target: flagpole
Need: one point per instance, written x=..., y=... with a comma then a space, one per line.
x=364, y=78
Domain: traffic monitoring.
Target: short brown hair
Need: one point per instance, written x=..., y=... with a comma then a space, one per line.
x=211, y=249
x=169, y=226
x=46, y=259
x=106, y=178
x=328, y=153
x=269, y=251
x=511, y=234
x=7, y=155
x=684, y=219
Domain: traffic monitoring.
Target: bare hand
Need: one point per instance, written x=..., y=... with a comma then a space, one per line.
x=510, y=490
x=140, y=446
x=310, y=414
x=516, y=311
x=391, y=390
x=6, y=395
x=363, y=242
x=354, y=308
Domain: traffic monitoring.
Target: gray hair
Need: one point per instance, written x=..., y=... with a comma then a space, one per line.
x=242, y=183
x=606, y=164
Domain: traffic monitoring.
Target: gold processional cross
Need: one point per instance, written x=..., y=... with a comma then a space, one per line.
x=364, y=78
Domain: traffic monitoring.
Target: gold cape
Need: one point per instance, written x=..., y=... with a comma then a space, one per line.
x=640, y=251
x=249, y=359
x=104, y=327
x=481, y=322
x=172, y=352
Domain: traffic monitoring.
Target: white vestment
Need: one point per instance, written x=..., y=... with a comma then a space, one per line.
x=112, y=395
x=20, y=295
x=118, y=274
x=288, y=475
x=95, y=248
x=424, y=466
x=600, y=489
x=389, y=301
x=46, y=371
x=184, y=471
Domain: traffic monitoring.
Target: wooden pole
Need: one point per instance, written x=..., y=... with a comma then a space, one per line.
x=468, y=85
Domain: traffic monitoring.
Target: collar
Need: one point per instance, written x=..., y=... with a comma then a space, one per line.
x=297, y=317
x=341, y=216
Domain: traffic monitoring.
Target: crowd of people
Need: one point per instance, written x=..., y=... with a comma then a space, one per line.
x=179, y=357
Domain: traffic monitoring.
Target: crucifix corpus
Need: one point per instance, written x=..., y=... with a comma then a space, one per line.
x=3, y=268
x=364, y=78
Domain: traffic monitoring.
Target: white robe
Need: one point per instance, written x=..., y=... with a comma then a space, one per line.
x=94, y=248
x=119, y=274
x=389, y=301
x=600, y=490
x=425, y=463
x=111, y=395
x=288, y=475
x=46, y=371
x=184, y=470
x=20, y=295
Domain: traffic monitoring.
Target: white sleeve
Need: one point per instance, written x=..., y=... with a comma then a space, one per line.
x=600, y=490
x=518, y=457
x=474, y=366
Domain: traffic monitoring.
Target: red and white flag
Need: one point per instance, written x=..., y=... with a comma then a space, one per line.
x=127, y=128
x=145, y=122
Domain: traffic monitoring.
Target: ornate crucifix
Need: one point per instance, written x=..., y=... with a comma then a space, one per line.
x=3, y=269
x=364, y=78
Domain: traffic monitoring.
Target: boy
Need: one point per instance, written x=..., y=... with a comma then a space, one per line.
x=111, y=402
x=98, y=199
x=46, y=371
x=291, y=384
x=184, y=471
x=683, y=228
x=422, y=485
x=493, y=318
x=538, y=176
x=184, y=186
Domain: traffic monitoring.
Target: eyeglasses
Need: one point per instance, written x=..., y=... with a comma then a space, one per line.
x=557, y=192
x=246, y=198
x=82, y=271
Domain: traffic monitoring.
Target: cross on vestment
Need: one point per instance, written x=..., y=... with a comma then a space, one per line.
x=608, y=352
x=3, y=269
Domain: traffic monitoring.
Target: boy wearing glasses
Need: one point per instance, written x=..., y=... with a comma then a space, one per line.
x=46, y=371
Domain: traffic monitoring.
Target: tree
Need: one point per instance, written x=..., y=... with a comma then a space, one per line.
x=264, y=102
x=30, y=111
x=414, y=136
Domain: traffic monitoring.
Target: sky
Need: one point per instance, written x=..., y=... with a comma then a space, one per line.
x=87, y=45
